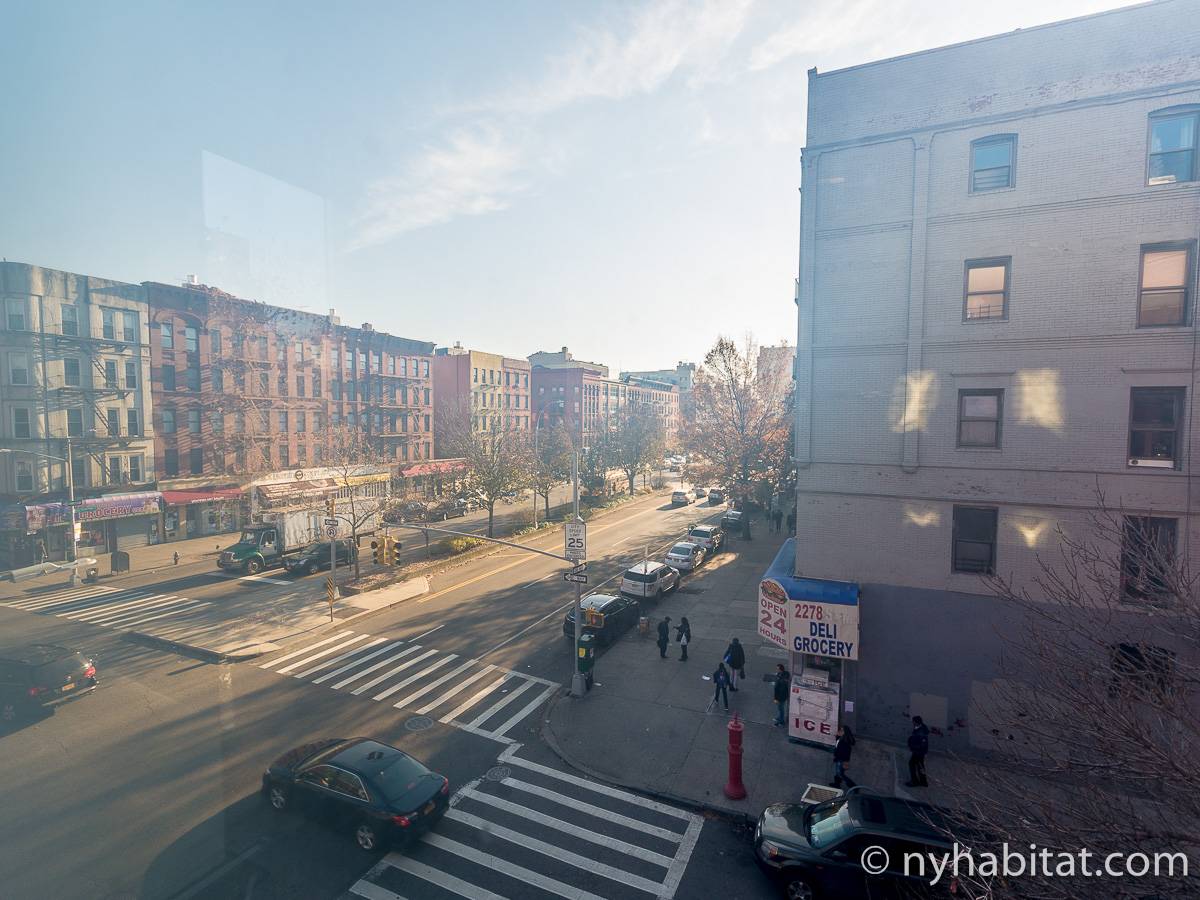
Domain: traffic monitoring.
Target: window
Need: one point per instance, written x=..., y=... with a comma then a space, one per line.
x=131, y=375
x=112, y=421
x=300, y=422
x=74, y=423
x=110, y=373
x=264, y=384
x=1141, y=668
x=1147, y=557
x=193, y=417
x=191, y=377
x=317, y=420
x=283, y=420
x=299, y=385
x=985, y=291
x=70, y=320
x=167, y=330
x=362, y=360
x=404, y=452
x=133, y=422
x=191, y=340
x=284, y=460
x=129, y=327
x=168, y=378
x=427, y=423
x=376, y=361
x=108, y=319
x=979, y=416
x=316, y=385
x=218, y=380
x=15, y=315
x=21, y=423
x=214, y=337
x=424, y=368
x=1155, y=415
x=1173, y=138
x=351, y=390
x=975, y=539
x=18, y=368
x=992, y=163
x=24, y=477
x=302, y=454
x=426, y=390
x=280, y=349
x=239, y=344
x=168, y=421
x=391, y=365
x=170, y=461
x=1163, y=289
x=136, y=468
x=216, y=421
x=196, y=460
x=115, y=469
x=281, y=386
x=335, y=390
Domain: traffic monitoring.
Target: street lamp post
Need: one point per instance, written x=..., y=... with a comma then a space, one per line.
x=70, y=475
x=578, y=680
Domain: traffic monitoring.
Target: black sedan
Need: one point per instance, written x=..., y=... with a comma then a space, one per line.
x=42, y=675
x=604, y=615
x=732, y=521
x=379, y=794
x=315, y=557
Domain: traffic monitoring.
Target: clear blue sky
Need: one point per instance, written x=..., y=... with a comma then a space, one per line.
x=617, y=177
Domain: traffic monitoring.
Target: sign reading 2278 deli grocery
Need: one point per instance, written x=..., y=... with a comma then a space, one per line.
x=807, y=615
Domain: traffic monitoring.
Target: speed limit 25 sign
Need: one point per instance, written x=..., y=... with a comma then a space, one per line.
x=575, y=541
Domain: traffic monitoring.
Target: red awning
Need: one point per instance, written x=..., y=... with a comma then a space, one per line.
x=436, y=467
x=200, y=495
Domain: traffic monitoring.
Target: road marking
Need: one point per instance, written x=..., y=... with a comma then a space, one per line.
x=452, y=715
x=428, y=633
x=404, y=701
x=328, y=640
x=492, y=710
x=378, y=665
x=383, y=695
x=459, y=688
x=354, y=639
x=260, y=578
x=94, y=604
x=444, y=880
x=189, y=607
x=541, y=698
x=40, y=601
x=357, y=662
x=675, y=874
x=400, y=668
x=102, y=615
x=487, y=860
x=598, y=812
x=338, y=659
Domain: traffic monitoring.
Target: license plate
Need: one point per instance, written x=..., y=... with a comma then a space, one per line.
x=428, y=808
x=69, y=687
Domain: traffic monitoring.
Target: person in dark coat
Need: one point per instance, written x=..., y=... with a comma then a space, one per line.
x=721, y=684
x=791, y=523
x=746, y=524
x=918, y=746
x=735, y=658
x=683, y=634
x=664, y=636
x=782, y=687
x=841, y=757
x=777, y=520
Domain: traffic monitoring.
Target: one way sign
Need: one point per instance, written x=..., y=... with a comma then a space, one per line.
x=577, y=577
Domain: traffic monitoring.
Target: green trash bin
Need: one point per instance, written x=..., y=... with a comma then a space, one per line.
x=587, y=657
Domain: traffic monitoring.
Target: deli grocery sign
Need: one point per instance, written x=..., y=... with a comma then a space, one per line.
x=807, y=615
x=114, y=506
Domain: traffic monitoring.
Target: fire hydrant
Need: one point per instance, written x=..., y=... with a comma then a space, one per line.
x=734, y=789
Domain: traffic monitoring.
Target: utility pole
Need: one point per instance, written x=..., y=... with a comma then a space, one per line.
x=71, y=504
x=578, y=682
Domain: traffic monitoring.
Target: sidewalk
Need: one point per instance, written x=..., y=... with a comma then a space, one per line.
x=646, y=725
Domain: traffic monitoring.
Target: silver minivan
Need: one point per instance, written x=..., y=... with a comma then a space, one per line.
x=649, y=579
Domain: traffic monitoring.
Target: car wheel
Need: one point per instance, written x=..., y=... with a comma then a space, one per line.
x=797, y=888
x=313, y=568
x=277, y=797
x=8, y=711
x=253, y=567
x=366, y=837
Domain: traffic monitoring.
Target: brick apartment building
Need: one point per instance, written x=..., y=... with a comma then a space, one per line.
x=996, y=316
x=491, y=389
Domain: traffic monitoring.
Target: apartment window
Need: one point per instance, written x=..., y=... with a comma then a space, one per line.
x=298, y=348
x=79, y=471
x=318, y=456
x=351, y=391
x=196, y=460
x=264, y=384
x=404, y=452
x=74, y=423
x=18, y=368
x=110, y=373
x=168, y=421
x=975, y=539
x=299, y=385
x=24, y=477
x=191, y=339
x=985, y=290
x=108, y=327
x=301, y=423
x=427, y=423
x=136, y=467
x=115, y=469
x=131, y=375
x=70, y=320
x=191, y=377
x=349, y=359
x=216, y=421
x=428, y=455
x=316, y=385
x=167, y=330
x=979, y=415
x=1163, y=286
x=214, y=338
x=362, y=360
x=1173, y=146
x=264, y=421
x=318, y=421
x=404, y=424
x=391, y=365
x=280, y=349
x=170, y=461
x=525, y=380
x=376, y=362
x=283, y=421
x=993, y=163
x=133, y=422
x=129, y=327
x=1147, y=557
x=15, y=314
x=193, y=421
x=424, y=368
x=21, y=423
x=1155, y=416
x=112, y=421
x=239, y=344
x=426, y=390
x=218, y=380
x=302, y=455
x=284, y=459
x=335, y=390
x=168, y=378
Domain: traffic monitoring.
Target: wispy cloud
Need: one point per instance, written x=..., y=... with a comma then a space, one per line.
x=824, y=29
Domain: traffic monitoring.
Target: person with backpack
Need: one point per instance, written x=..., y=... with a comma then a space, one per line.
x=721, y=683
x=735, y=658
x=841, y=756
x=683, y=634
x=918, y=746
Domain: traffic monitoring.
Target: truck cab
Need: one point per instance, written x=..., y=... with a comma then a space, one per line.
x=257, y=549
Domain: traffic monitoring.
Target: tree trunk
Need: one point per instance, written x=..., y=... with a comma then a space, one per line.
x=491, y=516
x=547, y=498
x=354, y=538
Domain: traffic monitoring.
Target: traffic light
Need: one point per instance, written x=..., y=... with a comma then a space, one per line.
x=329, y=507
x=379, y=550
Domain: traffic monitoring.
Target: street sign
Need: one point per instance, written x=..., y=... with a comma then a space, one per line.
x=330, y=591
x=331, y=522
x=580, y=567
x=74, y=503
x=575, y=541
x=331, y=530
x=576, y=577
x=299, y=474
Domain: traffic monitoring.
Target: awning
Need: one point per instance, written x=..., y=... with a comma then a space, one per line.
x=111, y=506
x=818, y=616
x=434, y=467
x=296, y=490
x=200, y=495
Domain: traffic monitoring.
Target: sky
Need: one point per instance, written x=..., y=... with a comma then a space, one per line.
x=617, y=177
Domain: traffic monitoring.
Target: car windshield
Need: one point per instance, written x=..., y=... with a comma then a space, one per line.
x=829, y=824
x=638, y=577
x=682, y=550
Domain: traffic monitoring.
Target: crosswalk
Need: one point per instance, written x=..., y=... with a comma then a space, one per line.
x=466, y=693
x=530, y=825
x=124, y=610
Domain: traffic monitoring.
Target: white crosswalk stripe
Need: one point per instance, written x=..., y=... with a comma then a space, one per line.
x=419, y=678
x=498, y=837
x=125, y=610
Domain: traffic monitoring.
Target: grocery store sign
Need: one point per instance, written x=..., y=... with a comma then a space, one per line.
x=807, y=615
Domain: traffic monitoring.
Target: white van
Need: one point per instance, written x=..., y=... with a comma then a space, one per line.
x=649, y=580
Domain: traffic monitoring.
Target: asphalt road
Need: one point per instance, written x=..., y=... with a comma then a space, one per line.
x=148, y=786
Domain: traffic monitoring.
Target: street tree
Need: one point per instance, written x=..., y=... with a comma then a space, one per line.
x=636, y=442
x=356, y=465
x=550, y=461
x=497, y=462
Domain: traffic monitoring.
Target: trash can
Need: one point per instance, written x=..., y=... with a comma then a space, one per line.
x=119, y=561
x=587, y=657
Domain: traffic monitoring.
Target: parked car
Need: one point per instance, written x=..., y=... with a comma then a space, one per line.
x=700, y=493
x=817, y=850
x=379, y=794
x=715, y=496
x=38, y=676
x=680, y=498
x=612, y=615
x=315, y=557
x=685, y=556
x=732, y=520
x=649, y=579
x=452, y=509
x=710, y=537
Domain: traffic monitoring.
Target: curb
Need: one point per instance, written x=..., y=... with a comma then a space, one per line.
x=201, y=653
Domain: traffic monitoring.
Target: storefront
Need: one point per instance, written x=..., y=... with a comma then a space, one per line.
x=816, y=621
x=429, y=480
x=197, y=512
x=114, y=522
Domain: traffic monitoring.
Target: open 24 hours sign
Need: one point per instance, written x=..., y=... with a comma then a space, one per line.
x=808, y=615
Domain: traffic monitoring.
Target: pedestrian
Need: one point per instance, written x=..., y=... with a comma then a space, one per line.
x=791, y=523
x=176, y=557
x=721, y=683
x=43, y=554
x=735, y=658
x=777, y=520
x=683, y=634
x=782, y=688
x=918, y=746
x=746, y=524
x=841, y=756
x=664, y=636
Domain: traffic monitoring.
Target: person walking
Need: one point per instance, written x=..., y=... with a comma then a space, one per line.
x=746, y=536
x=43, y=554
x=777, y=520
x=841, y=756
x=781, y=687
x=735, y=658
x=721, y=685
x=664, y=636
x=918, y=746
x=791, y=523
x=683, y=634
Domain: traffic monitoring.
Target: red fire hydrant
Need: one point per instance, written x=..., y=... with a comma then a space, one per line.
x=734, y=789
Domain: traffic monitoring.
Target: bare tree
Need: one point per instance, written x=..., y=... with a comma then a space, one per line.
x=636, y=442
x=1096, y=720
x=362, y=481
x=551, y=461
x=498, y=461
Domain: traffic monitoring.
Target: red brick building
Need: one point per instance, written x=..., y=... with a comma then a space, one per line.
x=590, y=403
x=493, y=390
